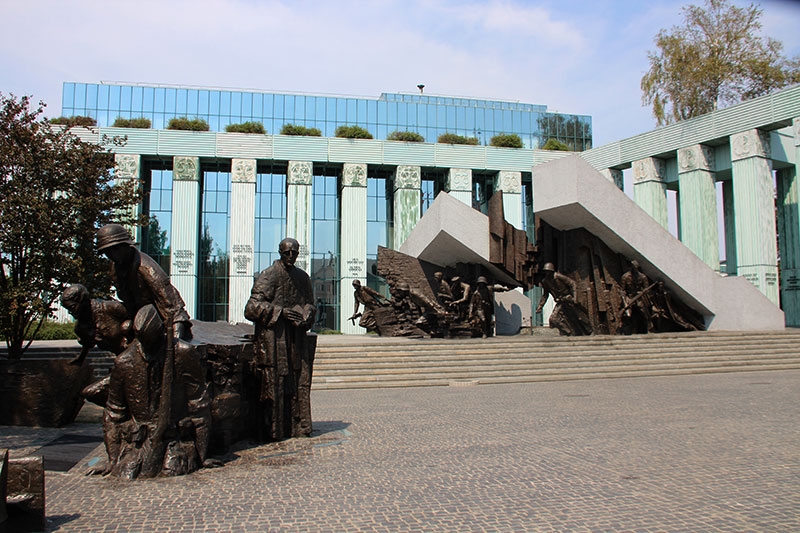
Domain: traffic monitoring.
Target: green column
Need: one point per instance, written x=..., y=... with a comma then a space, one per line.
x=459, y=184
x=185, y=228
x=510, y=183
x=298, y=208
x=754, y=208
x=789, y=234
x=650, y=189
x=353, y=240
x=242, y=236
x=698, y=203
x=407, y=183
x=128, y=167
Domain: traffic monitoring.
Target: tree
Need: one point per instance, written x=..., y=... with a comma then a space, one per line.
x=717, y=58
x=553, y=144
x=507, y=141
x=55, y=191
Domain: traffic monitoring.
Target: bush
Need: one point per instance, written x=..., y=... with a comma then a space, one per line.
x=452, y=138
x=139, y=123
x=246, y=127
x=183, y=123
x=52, y=331
x=77, y=120
x=553, y=144
x=352, y=132
x=294, y=129
x=407, y=136
x=506, y=141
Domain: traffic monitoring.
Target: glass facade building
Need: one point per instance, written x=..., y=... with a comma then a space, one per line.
x=430, y=116
x=210, y=264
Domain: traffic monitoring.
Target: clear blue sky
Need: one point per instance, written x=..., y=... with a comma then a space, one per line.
x=574, y=57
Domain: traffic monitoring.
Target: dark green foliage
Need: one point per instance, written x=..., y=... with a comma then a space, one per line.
x=553, y=144
x=77, y=120
x=506, y=141
x=294, y=129
x=183, y=123
x=246, y=127
x=139, y=123
x=352, y=132
x=407, y=136
x=452, y=138
x=55, y=191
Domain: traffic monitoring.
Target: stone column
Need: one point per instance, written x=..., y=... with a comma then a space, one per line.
x=698, y=203
x=298, y=208
x=511, y=184
x=353, y=240
x=129, y=167
x=185, y=228
x=614, y=176
x=459, y=184
x=407, y=183
x=650, y=189
x=789, y=234
x=754, y=208
x=242, y=231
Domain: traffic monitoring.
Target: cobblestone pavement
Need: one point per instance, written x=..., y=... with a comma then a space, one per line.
x=718, y=452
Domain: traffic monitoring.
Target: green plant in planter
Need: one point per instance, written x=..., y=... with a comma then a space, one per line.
x=452, y=138
x=352, y=132
x=294, y=129
x=506, y=141
x=139, y=123
x=407, y=136
x=553, y=144
x=183, y=123
x=76, y=120
x=246, y=127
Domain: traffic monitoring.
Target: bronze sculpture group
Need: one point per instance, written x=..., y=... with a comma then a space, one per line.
x=159, y=396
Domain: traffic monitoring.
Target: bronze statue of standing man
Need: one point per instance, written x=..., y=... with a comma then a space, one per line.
x=281, y=306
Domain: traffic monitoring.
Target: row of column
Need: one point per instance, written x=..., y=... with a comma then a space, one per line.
x=353, y=221
x=749, y=207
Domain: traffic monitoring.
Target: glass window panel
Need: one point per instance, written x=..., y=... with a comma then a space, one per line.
x=113, y=96
x=236, y=106
x=91, y=96
x=310, y=108
x=160, y=98
x=269, y=106
x=383, y=112
x=202, y=102
x=320, y=105
x=213, y=102
x=288, y=108
x=451, y=118
x=80, y=95
x=148, y=99
x=392, y=118
x=224, y=103
x=258, y=106
x=68, y=95
x=125, y=98
x=169, y=101
x=330, y=110
x=372, y=112
x=181, y=100
x=192, y=102
x=441, y=116
x=341, y=111
x=247, y=106
x=279, y=107
x=137, y=100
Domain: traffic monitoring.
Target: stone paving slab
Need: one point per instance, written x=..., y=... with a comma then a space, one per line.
x=710, y=453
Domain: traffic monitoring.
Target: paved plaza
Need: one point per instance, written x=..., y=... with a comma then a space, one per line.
x=718, y=452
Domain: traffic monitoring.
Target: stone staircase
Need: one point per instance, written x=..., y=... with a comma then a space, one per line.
x=369, y=361
x=349, y=362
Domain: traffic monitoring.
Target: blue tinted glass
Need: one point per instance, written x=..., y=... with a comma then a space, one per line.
x=422, y=115
x=213, y=102
x=362, y=111
x=236, y=105
x=269, y=105
x=392, y=118
x=136, y=100
x=202, y=102
x=258, y=106
x=91, y=96
x=341, y=110
x=372, y=112
x=451, y=118
x=68, y=95
x=311, y=108
x=320, y=105
x=330, y=109
x=224, y=103
x=278, y=106
x=80, y=96
x=113, y=96
x=169, y=101
x=125, y=96
x=148, y=97
x=383, y=112
x=352, y=111
x=180, y=102
x=160, y=99
x=247, y=105
x=441, y=116
x=191, y=102
x=288, y=108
